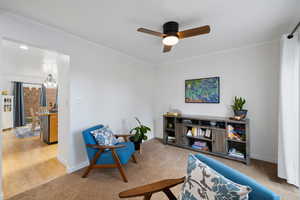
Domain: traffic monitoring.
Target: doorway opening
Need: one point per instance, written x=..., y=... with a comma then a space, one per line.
x=30, y=108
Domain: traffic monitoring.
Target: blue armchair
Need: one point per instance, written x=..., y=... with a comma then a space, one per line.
x=107, y=156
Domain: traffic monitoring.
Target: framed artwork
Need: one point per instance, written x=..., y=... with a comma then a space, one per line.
x=203, y=90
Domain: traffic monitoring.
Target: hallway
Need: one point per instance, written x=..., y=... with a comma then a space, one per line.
x=27, y=163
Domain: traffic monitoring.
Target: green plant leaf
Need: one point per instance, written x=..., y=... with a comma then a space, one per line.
x=238, y=103
x=140, y=131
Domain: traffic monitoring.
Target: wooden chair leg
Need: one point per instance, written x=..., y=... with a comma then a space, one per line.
x=118, y=163
x=169, y=194
x=93, y=162
x=87, y=171
x=134, y=158
x=148, y=196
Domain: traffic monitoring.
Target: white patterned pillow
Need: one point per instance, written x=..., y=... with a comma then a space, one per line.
x=204, y=183
x=104, y=136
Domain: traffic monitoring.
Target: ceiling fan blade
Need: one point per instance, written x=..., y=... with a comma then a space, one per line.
x=167, y=48
x=144, y=30
x=194, y=32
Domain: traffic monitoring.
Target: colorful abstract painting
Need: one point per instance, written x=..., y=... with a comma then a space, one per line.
x=204, y=90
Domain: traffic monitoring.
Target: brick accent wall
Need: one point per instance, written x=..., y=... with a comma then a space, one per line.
x=51, y=97
x=31, y=100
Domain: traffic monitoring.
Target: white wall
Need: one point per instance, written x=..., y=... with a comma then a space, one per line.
x=109, y=88
x=29, y=66
x=250, y=72
x=20, y=65
x=106, y=86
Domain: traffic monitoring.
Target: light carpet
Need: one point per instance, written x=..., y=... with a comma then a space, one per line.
x=156, y=162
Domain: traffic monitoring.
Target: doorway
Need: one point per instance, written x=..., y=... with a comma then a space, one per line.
x=32, y=150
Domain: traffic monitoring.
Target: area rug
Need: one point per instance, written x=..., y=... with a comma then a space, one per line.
x=25, y=131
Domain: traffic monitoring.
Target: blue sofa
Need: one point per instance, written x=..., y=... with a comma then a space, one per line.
x=259, y=192
x=107, y=156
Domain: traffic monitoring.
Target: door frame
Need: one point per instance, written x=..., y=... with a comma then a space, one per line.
x=64, y=146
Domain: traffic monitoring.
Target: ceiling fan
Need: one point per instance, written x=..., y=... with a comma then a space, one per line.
x=171, y=35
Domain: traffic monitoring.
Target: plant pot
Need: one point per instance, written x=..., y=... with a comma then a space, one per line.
x=240, y=113
x=137, y=144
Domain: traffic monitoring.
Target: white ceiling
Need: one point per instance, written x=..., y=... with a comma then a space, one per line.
x=33, y=62
x=40, y=54
x=113, y=23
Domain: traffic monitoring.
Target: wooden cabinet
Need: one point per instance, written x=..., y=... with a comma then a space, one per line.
x=180, y=131
x=53, y=137
x=219, y=141
x=49, y=128
x=218, y=136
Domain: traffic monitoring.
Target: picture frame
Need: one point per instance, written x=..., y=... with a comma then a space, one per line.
x=202, y=90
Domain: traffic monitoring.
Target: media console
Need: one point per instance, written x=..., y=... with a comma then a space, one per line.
x=218, y=136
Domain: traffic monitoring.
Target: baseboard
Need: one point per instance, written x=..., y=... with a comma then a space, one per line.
x=77, y=167
x=71, y=169
x=263, y=158
x=158, y=138
x=63, y=161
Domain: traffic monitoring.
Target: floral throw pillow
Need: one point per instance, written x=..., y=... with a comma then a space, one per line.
x=204, y=183
x=104, y=136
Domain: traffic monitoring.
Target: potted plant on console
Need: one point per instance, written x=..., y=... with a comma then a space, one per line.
x=238, y=105
x=139, y=134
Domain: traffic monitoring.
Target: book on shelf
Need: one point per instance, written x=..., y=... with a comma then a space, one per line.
x=235, y=153
x=171, y=139
x=200, y=144
x=199, y=132
x=200, y=148
x=207, y=133
x=194, y=131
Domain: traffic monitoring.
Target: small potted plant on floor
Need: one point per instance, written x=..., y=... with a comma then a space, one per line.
x=238, y=106
x=139, y=134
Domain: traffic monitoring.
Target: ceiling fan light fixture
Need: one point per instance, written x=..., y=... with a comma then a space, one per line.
x=170, y=40
x=171, y=34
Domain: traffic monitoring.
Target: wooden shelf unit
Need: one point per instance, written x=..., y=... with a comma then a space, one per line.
x=219, y=144
x=200, y=138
